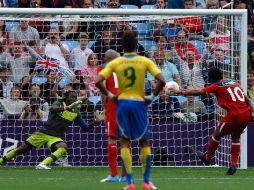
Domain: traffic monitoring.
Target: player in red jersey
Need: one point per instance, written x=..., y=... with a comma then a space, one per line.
x=230, y=96
x=110, y=120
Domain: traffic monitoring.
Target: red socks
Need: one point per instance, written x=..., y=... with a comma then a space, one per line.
x=212, y=146
x=235, y=150
x=112, y=159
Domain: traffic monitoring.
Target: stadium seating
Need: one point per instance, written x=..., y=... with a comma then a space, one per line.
x=147, y=7
x=53, y=24
x=71, y=44
x=10, y=24
x=148, y=44
x=129, y=7
x=90, y=43
x=200, y=45
x=144, y=30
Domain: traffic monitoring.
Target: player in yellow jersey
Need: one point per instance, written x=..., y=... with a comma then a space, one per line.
x=131, y=104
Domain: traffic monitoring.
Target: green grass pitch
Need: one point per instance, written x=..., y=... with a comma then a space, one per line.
x=87, y=178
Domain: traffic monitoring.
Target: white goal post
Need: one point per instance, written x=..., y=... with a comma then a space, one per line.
x=148, y=13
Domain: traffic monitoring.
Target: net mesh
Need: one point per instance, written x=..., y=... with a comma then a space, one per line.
x=175, y=134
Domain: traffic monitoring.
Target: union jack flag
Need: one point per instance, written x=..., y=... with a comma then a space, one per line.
x=45, y=64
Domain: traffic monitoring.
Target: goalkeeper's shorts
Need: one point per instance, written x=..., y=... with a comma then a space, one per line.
x=132, y=119
x=37, y=139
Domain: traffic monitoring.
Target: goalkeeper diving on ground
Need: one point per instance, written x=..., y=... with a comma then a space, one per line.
x=63, y=113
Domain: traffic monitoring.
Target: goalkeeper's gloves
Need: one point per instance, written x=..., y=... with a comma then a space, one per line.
x=74, y=104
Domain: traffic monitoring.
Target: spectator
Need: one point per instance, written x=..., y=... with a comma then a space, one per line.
x=191, y=71
x=180, y=48
x=41, y=26
x=190, y=24
x=13, y=106
x=168, y=69
x=92, y=28
x=118, y=28
x=220, y=37
x=68, y=28
x=20, y=63
x=191, y=105
x=87, y=4
x=250, y=84
x=32, y=110
x=162, y=46
x=25, y=85
x=161, y=4
x=24, y=32
x=209, y=21
x=102, y=45
x=4, y=37
x=192, y=110
x=113, y=4
x=224, y=4
x=89, y=74
x=59, y=51
x=46, y=88
x=79, y=55
x=35, y=91
x=5, y=83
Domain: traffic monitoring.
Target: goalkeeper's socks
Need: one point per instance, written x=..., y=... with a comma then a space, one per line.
x=145, y=157
x=235, y=150
x=53, y=157
x=13, y=153
x=127, y=162
x=112, y=159
x=212, y=147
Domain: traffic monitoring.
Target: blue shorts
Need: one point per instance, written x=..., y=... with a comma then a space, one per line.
x=132, y=119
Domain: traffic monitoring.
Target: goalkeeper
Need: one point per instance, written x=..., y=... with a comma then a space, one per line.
x=62, y=114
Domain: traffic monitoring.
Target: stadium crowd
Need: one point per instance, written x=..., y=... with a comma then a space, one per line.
x=71, y=50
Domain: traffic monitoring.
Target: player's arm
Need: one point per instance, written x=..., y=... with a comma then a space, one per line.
x=99, y=82
x=160, y=84
x=58, y=107
x=194, y=92
x=84, y=125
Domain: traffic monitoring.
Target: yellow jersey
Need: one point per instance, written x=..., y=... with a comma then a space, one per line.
x=130, y=70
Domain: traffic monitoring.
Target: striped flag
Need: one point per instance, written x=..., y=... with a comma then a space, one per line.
x=45, y=64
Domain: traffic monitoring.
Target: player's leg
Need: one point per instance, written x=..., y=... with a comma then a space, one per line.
x=60, y=149
x=235, y=150
x=145, y=158
x=112, y=134
x=22, y=149
x=214, y=142
x=127, y=159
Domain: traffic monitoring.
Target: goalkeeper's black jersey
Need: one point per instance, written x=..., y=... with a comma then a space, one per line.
x=56, y=125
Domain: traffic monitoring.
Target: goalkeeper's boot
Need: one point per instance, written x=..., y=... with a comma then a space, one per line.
x=123, y=179
x=148, y=186
x=111, y=179
x=131, y=186
x=202, y=157
x=42, y=167
x=231, y=170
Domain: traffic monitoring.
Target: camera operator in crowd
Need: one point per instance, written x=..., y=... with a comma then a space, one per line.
x=32, y=110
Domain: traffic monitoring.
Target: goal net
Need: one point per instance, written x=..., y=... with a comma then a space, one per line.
x=191, y=42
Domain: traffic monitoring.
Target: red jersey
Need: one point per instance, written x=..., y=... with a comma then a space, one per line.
x=193, y=23
x=230, y=96
x=111, y=82
x=181, y=51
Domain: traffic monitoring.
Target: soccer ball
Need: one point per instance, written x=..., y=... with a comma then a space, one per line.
x=169, y=86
